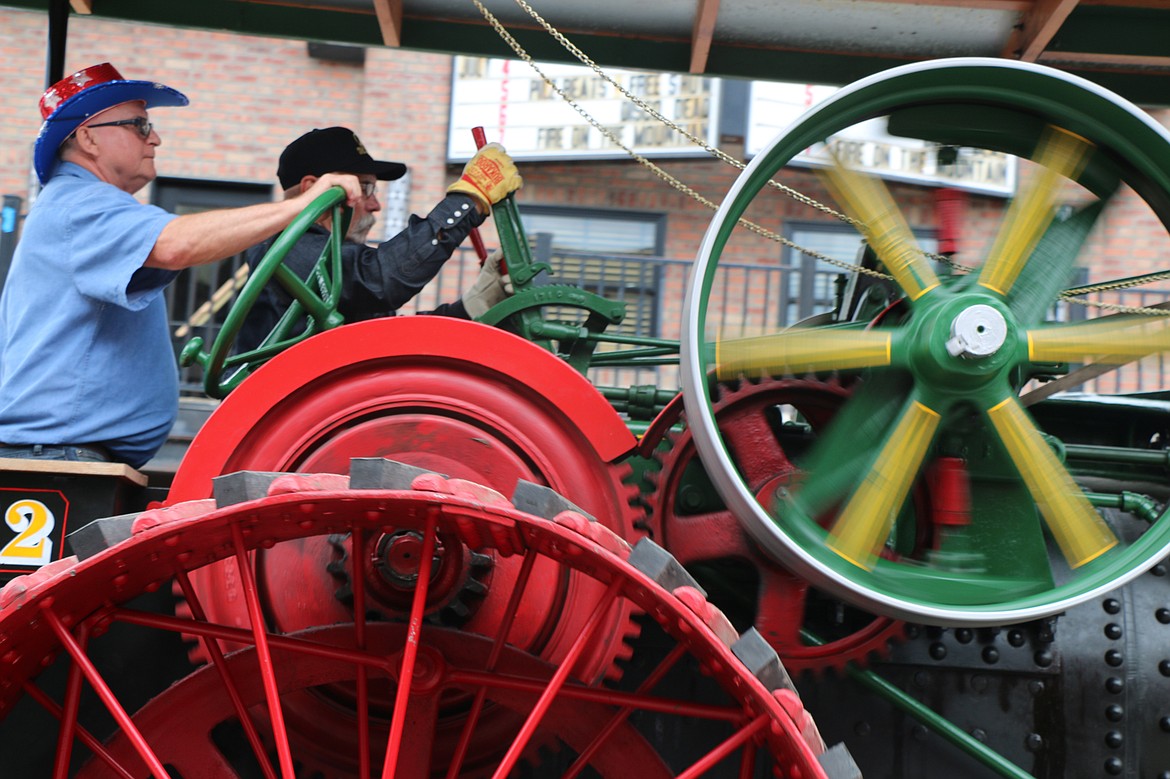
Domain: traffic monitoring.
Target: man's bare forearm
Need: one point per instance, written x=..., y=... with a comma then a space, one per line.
x=196, y=239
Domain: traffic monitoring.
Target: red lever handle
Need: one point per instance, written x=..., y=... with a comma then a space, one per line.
x=476, y=240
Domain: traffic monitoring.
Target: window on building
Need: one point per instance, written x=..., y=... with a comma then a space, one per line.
x=200, y=297
x=606, y=253
x=811, y=284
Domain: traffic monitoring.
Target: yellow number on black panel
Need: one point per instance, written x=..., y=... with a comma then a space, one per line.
x=32, y=521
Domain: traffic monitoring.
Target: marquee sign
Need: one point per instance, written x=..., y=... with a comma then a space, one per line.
x=523, y=112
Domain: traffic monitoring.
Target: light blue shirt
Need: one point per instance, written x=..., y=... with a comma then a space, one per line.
x=85, y=352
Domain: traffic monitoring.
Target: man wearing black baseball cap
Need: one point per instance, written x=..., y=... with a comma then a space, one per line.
x=378, y=280
x=337, y=148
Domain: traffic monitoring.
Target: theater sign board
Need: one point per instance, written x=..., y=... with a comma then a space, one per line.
x=516, y=107
x=867, y=146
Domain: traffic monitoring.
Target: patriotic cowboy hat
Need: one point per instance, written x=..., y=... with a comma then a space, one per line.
x=73, y=99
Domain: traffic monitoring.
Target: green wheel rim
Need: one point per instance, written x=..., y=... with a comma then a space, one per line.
x=1125, y=146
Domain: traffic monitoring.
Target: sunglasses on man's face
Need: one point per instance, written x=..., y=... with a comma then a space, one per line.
x=140, y=124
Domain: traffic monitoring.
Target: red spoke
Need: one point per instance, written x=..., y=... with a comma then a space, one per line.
x=710, y=536
x=263, y=654
x=782, y=600
x=83, y=735
x=713, y=757
x=104, y=692
x=558, y=680
x=69, y=710
x=752, y=443
x=233, y=693
x=241, y=636
x=651, y=681
x=580, y=692
x=418, y=729
x=747, y=764
x=358, y=543
x=410, y=650
x=498, y=645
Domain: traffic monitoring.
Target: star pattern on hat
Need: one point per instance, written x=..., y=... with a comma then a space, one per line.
x=80, y=79
x=51, y=99
x=358, y=145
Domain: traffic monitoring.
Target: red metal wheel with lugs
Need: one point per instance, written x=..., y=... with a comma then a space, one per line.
x=454, y=397
x=424, y=696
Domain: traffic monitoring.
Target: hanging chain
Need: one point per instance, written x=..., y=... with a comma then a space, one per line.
x=1070, y=296
x=656, y=170
x=718, y=153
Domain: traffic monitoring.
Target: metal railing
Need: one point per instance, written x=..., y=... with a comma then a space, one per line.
x=745, y=300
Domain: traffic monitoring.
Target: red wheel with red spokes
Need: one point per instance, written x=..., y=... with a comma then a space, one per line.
x=425, y=700
x=454, y=397
x=702, y=533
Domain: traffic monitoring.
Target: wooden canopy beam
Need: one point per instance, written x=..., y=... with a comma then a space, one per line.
x=1037, y=28
x=390, y=21
x=702, y=33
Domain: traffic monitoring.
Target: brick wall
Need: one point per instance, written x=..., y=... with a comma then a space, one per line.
x=249, y=97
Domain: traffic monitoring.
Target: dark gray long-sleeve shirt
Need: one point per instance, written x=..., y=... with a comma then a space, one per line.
x=376, y=281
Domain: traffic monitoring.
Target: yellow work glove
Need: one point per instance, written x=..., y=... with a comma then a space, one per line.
x=490, y=287
x=489, y=176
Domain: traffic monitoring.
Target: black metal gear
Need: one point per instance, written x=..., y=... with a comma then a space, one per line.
x=466, y=580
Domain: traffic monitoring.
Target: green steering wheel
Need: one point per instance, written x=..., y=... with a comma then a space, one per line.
x=313, y=308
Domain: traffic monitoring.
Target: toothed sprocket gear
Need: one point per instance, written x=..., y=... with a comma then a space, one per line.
x=768, y=422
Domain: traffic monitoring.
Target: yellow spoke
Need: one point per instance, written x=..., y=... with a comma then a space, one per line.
x=1106, y=340
x=864, y=525
x=801, y=351
x=866, y=200
x=1078, y=529
x=1061, y=155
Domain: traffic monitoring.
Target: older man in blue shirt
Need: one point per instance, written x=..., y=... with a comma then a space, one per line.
x=87, y=370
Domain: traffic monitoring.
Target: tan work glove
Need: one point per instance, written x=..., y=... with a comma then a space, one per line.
x=490, y=287
x=489, y=176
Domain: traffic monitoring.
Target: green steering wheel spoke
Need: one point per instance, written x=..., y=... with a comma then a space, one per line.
x=313, y=304
x=315, y=300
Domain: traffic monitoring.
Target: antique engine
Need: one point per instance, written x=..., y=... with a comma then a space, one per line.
x=420, y=547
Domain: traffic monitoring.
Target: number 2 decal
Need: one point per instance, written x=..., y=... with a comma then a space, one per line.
x=32, y=521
